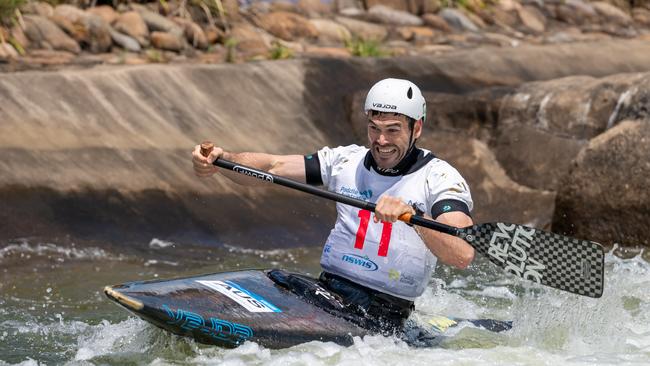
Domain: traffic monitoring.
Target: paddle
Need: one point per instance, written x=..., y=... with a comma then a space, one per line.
x=554, y=260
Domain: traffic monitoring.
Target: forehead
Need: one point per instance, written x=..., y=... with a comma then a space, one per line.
x=386, y=118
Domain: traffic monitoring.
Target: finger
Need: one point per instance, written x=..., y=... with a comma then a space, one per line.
x=214, y=154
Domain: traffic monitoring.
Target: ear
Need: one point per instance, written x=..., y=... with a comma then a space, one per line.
x=417, y=129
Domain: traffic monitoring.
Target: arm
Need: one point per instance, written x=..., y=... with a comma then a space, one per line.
x=449, y=249
x=290, y=166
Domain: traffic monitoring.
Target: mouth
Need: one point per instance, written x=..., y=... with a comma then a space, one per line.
x=385, y=152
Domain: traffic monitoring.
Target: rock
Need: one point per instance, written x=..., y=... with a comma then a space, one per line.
x=98, y=39
x=90, y=30
x=231, y=8
x=341, y=6
x=69, y=12
x=498, y=39
x=436, y=22
x=611, y=13
x=458, y=20
x=400, y=5
x=353, y=13
x=288, y=26
x=214, y=34
x=330, y=32
x=37, y=8
x=605, y=198
x=247, y=41
x=167, y=41
x=132, y=24
x=544, y=124
x=193, y=33
x=478, y=21
x=641, y=16
x=7, y=51
x=417, y=35
x=500, y=198
x=313, y=8
x=124, y=41
x=284, y=6
x=106, y=12
x=20, y=37
x=48, y=57
x=45, y=34
x=385, y=15
x=364, y=30
x=327, y=52
x=576, y=12
x=501, y=18
x=156, y=22
x=532, y=19
x=431, y=6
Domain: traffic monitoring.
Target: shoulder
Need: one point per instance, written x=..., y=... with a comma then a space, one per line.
x=341, y=152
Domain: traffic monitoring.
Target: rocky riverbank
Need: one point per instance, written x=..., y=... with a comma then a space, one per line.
x=39, y=35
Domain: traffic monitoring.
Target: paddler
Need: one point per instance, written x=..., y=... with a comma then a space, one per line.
x=375, y=265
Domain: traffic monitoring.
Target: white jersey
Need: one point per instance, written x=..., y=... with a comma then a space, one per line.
x=388, y=257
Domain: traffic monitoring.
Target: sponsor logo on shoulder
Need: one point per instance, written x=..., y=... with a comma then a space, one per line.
x=253, y=173
x=249, y=300
x=363, y=262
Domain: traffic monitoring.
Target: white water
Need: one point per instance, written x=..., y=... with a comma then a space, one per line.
x=551, y=327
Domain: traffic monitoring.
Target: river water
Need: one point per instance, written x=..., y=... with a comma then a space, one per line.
x=53, y=311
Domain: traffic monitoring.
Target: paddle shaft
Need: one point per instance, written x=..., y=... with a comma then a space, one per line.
x=207, y=147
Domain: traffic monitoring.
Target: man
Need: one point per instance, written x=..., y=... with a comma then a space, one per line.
x=376, y=268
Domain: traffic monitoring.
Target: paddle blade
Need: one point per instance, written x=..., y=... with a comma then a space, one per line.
x=558, y=261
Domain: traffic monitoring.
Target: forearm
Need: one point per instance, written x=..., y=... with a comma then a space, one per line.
x=290, y=166
x=447, y=248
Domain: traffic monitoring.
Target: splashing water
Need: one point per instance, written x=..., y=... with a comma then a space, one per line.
x=52, y=312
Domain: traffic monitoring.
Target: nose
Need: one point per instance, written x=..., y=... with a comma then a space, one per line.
x=381, y=139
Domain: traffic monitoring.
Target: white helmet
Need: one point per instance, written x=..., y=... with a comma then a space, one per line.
x=397, y=96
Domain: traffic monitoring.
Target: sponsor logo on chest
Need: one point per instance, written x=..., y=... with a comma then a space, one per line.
x=364, y=262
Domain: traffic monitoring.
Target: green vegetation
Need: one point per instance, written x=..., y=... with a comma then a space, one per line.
x=280, y=51
x=364, y=48
x=231, y=50
x=154, y=55
x=8, y=9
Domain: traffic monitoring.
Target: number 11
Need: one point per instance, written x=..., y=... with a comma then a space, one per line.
x=387, y=228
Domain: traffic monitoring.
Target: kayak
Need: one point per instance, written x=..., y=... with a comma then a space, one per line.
x=229, y=308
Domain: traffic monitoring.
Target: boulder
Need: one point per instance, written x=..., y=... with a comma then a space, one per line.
x=457, y=20
x=156, y=22
x=417, y=35
x=41, y=8
x=45, y=34
x=436, y=22
x=543, y=125
x=91, y=31
x=401, y=5
x=431, y=6
x=132, y=24
x=364, y=30
x=288, y=26
x=194, y=34
x=532, y=19
x=330, y=32
x=7, y=51
x=385, y=15
x=124, y=41
x=313, y=8
x=167, y=41
x=106, y=12
x=605, y=198
x=576, y=12
x=641, y=16
x=248, y=41
x=610, y=13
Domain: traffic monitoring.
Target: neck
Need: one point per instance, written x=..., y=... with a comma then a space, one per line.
x=405, y=166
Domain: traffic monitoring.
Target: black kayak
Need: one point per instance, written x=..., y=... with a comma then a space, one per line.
x=229, y=308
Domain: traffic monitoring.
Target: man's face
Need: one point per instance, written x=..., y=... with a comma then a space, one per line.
x=388, y=136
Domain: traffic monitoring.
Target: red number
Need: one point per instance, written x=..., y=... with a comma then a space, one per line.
x=386, y=230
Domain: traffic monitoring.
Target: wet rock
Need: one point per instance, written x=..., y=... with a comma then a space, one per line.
x=611, y=13
x=500, y=198
x=436, y=22
x=458, y=20
x=106, y=12
x=124, y=41
x=193, y=33
x=364, y=30
x=532, y=19
x=386, y=15
x=45, y=34
x=641, y=16
x=288, y=26
x=132, y=24
x=605, y=198
x=330, y=32
x=544, y=124
x=167, y=41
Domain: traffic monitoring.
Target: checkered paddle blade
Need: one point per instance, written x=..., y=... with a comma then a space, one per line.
x=554, y=260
